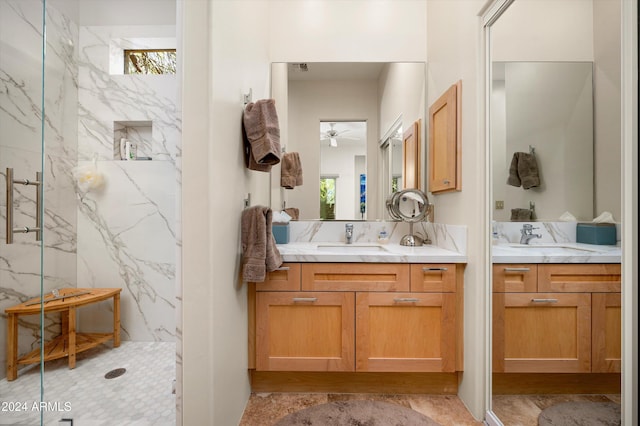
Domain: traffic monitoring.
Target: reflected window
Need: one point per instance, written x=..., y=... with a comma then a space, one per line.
x=150, y=61
x=328, y=197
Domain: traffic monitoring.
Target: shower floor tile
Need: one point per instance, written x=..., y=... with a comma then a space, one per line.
x=143, y=395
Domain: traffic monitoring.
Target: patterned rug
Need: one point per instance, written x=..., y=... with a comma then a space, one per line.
x=357, y=413
x=581, y=413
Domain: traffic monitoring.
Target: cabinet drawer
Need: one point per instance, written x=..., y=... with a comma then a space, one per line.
x=285, y=278
x=355, y=277
x=587, y=277
x=433, y=278
x=515, y=278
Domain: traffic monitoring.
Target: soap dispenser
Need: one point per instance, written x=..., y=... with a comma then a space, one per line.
x=383, y=236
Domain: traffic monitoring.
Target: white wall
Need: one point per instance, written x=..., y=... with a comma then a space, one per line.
x=352, y=100
x=225, y=55
x=452, y=49
x=126, y=12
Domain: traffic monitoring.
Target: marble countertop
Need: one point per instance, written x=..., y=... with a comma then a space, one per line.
x=555, y=253
x=367, y=253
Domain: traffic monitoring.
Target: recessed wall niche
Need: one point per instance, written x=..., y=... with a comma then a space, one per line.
x=138, y=133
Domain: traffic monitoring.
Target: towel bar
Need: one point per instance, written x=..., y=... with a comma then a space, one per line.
x=25, y=229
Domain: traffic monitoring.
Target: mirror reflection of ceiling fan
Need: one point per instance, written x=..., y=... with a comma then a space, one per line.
x=332, y=134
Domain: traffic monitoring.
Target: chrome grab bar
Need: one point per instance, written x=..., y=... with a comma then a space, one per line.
x=25, y=229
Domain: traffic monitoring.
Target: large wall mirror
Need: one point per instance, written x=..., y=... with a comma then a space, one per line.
x=553, y=90
x=344, y=119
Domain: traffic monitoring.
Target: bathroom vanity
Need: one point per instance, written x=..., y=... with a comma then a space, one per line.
x=556, y=309
x=368, y=314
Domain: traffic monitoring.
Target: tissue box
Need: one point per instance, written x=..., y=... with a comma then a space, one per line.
x=596, y=233
x=280, y=232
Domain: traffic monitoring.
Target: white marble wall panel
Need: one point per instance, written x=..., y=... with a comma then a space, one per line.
x=127, y=239
x=21, y=145
x=449, y=237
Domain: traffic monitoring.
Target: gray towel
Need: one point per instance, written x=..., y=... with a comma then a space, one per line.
x=259, y=252
x=260, y=121
x=523, y=170
x=291, y=170
x=521, y=215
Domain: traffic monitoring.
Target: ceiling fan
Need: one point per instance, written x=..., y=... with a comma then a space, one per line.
x=332, y=135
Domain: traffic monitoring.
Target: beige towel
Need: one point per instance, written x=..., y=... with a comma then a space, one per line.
x=523, y=170
x=290, y=170
x=294, y=212
x=259, y=252
x=260, y=121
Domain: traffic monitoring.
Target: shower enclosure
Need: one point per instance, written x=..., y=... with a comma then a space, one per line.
x=79, y=217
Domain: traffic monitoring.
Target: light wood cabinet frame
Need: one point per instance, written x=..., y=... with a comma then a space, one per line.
x=445, y=141
x=411, y=156
x=606, y=333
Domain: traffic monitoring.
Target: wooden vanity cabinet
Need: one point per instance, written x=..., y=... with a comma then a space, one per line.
x=556, y=318
x=361, y=317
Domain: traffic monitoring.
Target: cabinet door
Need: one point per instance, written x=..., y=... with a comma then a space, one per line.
x=587, y=277
x=515, y=278
x=541, y=332
x=433, y=278
x=355, y=277
x=405, y=332
x=606, y=343
x=445, y=141
x=298, y=331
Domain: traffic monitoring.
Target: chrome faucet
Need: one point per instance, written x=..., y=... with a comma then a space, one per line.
x=527, y=233
x=348, y=232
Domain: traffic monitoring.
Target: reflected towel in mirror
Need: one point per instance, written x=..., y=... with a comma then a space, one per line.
x=523, y=170
x=290, y=170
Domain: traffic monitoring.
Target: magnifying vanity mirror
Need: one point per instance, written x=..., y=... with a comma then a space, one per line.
x=345, y=120
x=409, y=205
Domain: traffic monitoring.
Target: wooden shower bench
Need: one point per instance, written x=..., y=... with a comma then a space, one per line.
x=69, y=343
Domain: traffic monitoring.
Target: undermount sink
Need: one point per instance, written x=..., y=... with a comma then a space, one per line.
x=551, y=246
x=342, y=247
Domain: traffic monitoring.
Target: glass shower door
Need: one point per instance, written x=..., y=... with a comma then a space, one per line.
x=22, y=283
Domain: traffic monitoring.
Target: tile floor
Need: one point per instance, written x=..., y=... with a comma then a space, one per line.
x=264, y=409
x=523, y=410
x=142, y=396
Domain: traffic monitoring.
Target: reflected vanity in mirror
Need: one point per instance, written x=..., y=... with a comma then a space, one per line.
x=384, y=98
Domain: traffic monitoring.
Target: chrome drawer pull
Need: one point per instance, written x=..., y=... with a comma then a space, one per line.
x=283, y=268
x=305, y=299
x=544, y=300
x=517, y=269
x=433, y=269
x=406, y=300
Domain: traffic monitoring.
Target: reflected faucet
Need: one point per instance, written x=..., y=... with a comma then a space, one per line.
x=348, y=232
x=527, y=233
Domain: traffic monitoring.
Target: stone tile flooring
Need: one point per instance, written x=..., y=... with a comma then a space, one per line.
x=142, y=396
x=264, y=409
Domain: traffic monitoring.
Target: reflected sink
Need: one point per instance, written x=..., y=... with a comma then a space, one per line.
x=346, y=248
x=551, y=246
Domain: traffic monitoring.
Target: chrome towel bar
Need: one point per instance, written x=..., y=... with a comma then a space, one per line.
x=25, y=229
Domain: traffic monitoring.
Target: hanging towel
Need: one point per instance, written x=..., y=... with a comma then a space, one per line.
x=260, y=121
x=291, y=170
x=249, y=160
x=523, y=170
x=521, y=215
x=294, y=212
x=259, y=252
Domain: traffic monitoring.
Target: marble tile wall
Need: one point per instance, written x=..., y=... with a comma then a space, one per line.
x=21, y=143
x=122, y=235
x=127, y=230
x=450, y=237
x=551, y=232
